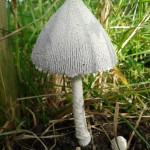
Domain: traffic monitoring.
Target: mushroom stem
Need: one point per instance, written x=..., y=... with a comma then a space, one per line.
x=82, y=133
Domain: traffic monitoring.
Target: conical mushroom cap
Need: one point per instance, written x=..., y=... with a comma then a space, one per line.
x=73, y=42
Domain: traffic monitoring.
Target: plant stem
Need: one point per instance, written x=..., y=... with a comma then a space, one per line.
x=82, y=133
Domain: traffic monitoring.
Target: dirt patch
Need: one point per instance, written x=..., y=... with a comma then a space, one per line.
x=60, y=135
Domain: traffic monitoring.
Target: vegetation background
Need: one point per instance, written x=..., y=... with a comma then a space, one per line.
x=122, y=93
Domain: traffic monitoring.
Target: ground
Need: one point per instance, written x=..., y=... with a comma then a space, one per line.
x=60, y=135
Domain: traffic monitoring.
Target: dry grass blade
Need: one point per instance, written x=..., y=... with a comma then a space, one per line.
x=5, y=126
x=63, y=119
x=20, y=131
x=121, y=76
x=103, y=12
x=25, y=136
x=137, y=124
x=116, y=115
x=78, y=148
x=54, y=138
x=40, y=96
x=35, y=136
x=103, y=130
x=33, y=115
x=8, y=145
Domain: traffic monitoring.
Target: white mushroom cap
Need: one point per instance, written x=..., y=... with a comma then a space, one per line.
x=73, y=42
x=122, y=143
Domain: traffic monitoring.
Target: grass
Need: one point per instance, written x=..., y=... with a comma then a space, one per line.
x=126, y=22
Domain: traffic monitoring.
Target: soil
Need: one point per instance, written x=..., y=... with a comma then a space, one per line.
x=62, y=134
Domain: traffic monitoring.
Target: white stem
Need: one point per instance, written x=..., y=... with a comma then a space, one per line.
x=79, y=113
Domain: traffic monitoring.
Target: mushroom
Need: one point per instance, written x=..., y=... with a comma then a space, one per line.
x=120, y=144
x=74, y=43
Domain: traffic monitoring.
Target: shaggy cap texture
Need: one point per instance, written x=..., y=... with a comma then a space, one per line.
x=73, y=42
